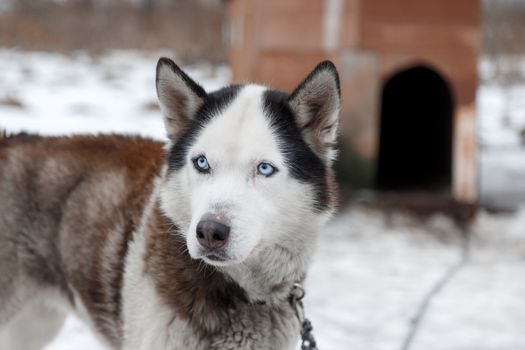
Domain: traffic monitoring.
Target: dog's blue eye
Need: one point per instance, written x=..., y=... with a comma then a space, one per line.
x=201, y=164
x=266, y=169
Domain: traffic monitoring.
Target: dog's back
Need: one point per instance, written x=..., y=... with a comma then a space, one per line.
x=67, y=209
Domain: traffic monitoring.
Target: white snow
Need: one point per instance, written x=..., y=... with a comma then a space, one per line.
x=501, y=121
x=81, y=94
x=371, y=270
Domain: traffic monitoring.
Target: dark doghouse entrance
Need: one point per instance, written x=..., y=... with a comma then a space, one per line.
x=415, y=150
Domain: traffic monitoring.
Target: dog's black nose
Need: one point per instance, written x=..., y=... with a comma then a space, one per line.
x=212, y=234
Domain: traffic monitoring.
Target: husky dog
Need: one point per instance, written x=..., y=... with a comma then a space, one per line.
x=191, y=245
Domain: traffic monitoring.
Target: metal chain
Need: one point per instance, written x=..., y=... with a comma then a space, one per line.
x=307, y=338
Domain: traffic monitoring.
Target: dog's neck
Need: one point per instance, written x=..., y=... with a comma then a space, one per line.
x=269, y=277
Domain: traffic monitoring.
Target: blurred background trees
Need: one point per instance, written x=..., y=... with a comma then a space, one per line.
x=192, y=27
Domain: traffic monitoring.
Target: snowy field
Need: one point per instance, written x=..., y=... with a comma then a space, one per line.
x=371, y=271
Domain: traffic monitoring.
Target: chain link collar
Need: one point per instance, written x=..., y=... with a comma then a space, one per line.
x=296, y=301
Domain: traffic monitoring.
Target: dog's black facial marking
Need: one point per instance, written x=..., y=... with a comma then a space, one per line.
x=214, y=103
x=302, y=163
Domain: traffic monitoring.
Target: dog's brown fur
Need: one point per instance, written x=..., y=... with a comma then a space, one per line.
x=58, y=181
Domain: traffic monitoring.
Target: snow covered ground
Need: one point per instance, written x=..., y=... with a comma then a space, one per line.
x=371, y=270
x=56, y=94
x=501, y=120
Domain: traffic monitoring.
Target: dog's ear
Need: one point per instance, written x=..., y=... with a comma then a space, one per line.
x=180, y=97
x=316, y=103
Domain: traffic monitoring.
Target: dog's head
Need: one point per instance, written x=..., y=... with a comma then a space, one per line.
x=249, y=167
